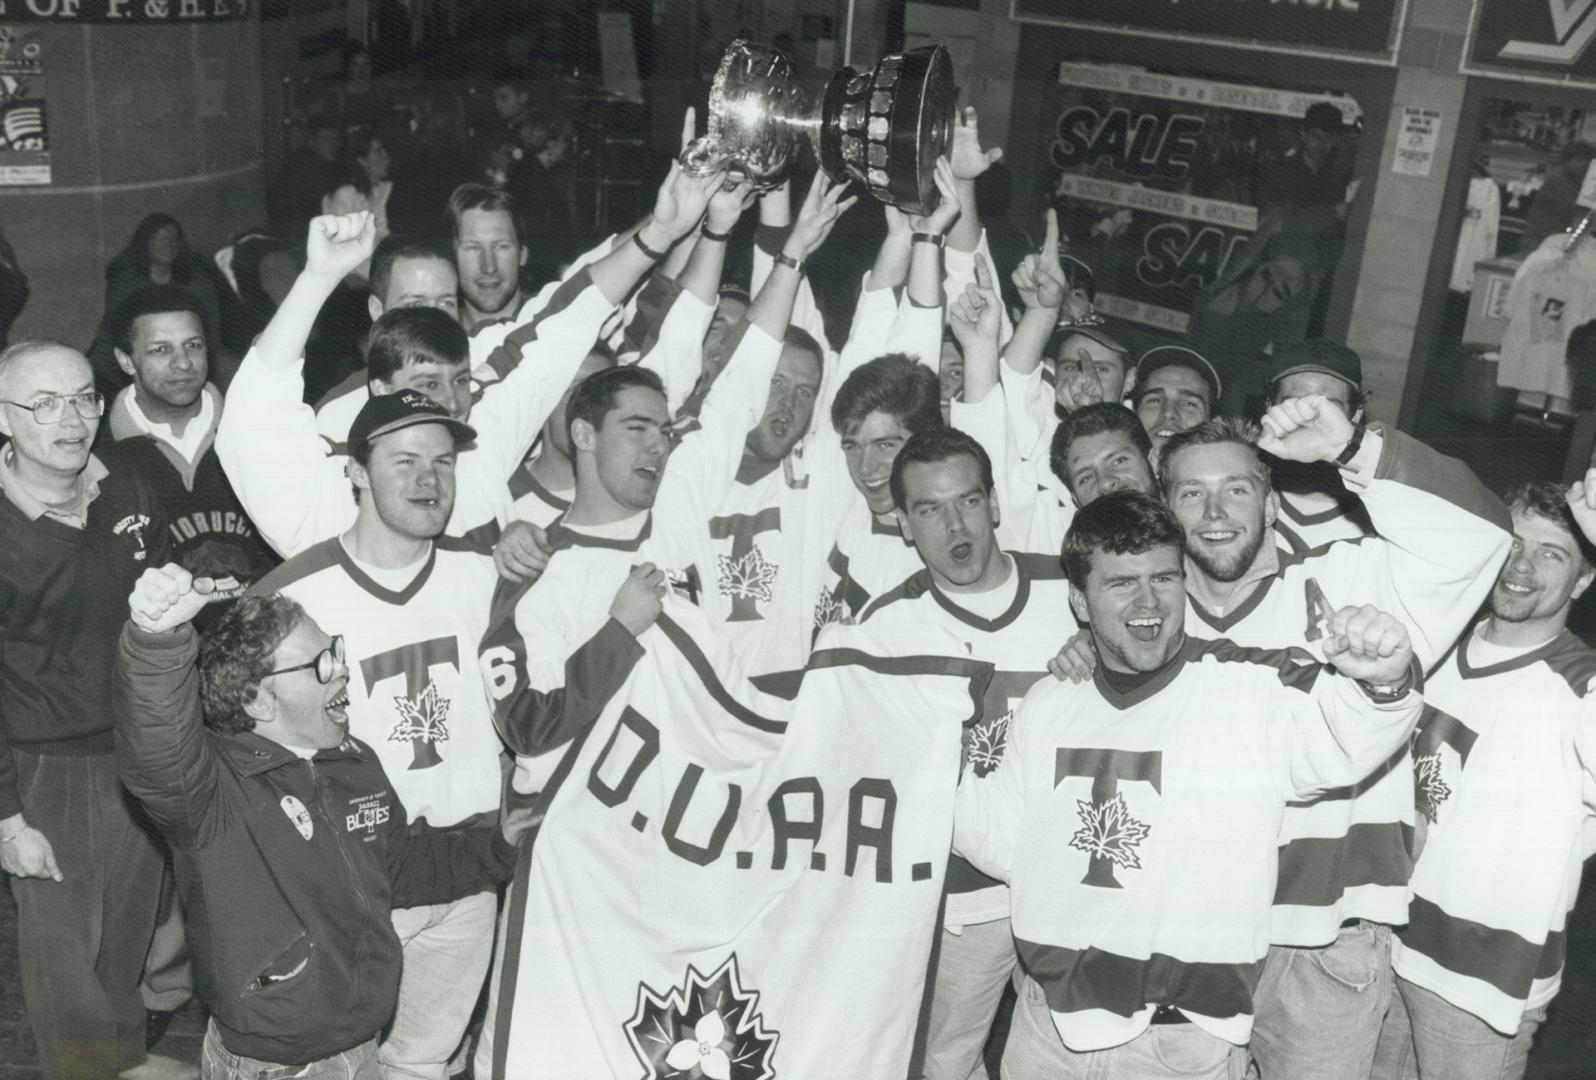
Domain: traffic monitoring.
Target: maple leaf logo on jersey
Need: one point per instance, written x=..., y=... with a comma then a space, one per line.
x=987, y=742
x=425, y=718
x=707, y=1027
x=829, y=609
x=748, y=578
x=1109, y=832
x=1432, y=790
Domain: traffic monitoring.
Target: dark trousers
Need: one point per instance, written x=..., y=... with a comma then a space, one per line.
x=83, y=940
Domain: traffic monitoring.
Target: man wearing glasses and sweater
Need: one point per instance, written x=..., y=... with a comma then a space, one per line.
x=76, y=530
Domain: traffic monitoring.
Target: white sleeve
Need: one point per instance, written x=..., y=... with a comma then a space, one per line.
x=917, y=333
x=1030, y=410
x=874, y=317
x=987, y=422
x=677, y=352
x=703, y=467
x=536, y=362
x=277, y=462
x=1442, y=538
x=989, y=806
x=1329, y=734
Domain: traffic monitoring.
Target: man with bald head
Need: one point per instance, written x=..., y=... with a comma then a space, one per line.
x=76, y=530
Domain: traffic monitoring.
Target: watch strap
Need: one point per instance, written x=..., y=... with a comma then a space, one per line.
x=1354, y=444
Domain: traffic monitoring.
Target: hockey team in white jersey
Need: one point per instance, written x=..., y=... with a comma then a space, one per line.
x=1217, y=746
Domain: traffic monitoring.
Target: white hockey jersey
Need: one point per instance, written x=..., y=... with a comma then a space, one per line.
x=1443, y=537
x=1136, y=829
x=1506, y=800
x=763, y=562
x=1018, y=642
x=416, y=696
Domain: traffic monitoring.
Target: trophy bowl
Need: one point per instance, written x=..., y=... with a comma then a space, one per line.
x=758, y=113
x=884, y=127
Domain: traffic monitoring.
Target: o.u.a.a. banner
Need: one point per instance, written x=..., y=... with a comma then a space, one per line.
x=728, y=885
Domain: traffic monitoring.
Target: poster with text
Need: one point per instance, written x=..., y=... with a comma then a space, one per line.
x=24, y=135
x=1166, y=186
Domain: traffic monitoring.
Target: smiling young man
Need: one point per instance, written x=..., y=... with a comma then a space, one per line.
x=412, y=606
x=1176, y=389
x=293, y=845
x=168, y=417
x=1344, y=860
x=488, y=253
x=1134, y=817
x=1005, y=609
x=1503, y=760
x=1100, y=448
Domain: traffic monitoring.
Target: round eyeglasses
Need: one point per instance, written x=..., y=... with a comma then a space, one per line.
x=325, y=662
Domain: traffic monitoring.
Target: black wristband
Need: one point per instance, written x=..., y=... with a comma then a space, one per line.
x=1354, y=444
x=637, y=238
x=784, y=259
x=709, y=234
x=939, y=239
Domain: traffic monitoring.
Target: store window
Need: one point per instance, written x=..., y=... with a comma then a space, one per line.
x=1210, y=212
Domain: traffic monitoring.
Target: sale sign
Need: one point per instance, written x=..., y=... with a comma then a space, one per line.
x=1157, y=181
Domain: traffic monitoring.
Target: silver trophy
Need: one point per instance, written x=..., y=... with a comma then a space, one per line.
x=884, y=128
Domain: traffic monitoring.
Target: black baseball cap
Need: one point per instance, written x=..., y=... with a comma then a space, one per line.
x=1327, y=357
x=384, y=413
x=1163, y=356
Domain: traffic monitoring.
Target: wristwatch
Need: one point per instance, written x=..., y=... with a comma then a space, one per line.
x=1387, y=695
x=1354, y=444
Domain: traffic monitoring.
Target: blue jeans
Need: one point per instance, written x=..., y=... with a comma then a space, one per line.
x=217, y=1062
x=972, y=969
x=447, y=950
x=1449, y=1043
x=1319, y=1011
x=1162, y=1052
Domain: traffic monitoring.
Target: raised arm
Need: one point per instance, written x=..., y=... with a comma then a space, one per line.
x=1347, y=721
x=267, y=440
x=1442, y=534
x=162, y=751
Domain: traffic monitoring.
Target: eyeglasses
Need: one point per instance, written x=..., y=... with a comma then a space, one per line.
x=325, y=662
x=50, y=408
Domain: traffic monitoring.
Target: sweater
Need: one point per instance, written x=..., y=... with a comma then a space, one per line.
x=63, y=600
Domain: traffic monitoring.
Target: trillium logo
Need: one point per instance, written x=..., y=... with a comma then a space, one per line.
x=706, y=1028
x=1573, y=23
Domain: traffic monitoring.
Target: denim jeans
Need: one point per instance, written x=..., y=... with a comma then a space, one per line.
x=1319, y=1011
x=972, y=969
x=447, y=950
x=1449, y=1043
x=1162, y=1052
x=217, y=1062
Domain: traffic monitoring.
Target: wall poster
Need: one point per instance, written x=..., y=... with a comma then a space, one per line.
x=24, y=135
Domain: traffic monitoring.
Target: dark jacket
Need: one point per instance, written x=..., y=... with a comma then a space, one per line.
x=288, y=867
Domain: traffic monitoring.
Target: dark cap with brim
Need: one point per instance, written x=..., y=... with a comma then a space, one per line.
x=1325, y=357
x=1096, y=333
x=386, y=413
x=1162, y=356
